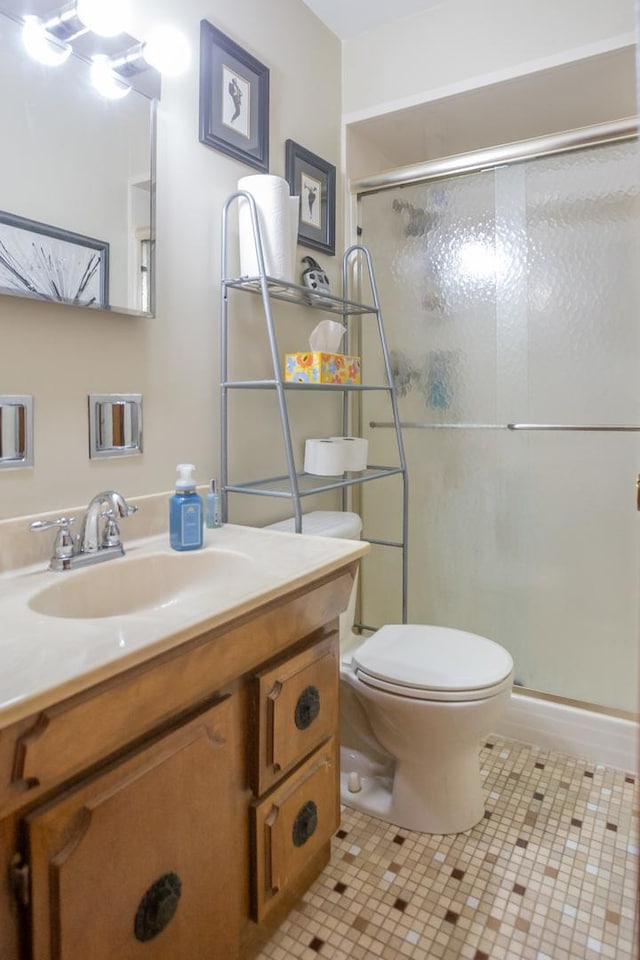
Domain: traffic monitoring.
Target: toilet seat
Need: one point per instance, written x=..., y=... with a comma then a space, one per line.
x=433, y=663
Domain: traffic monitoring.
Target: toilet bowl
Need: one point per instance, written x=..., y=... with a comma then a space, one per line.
x=416, y=704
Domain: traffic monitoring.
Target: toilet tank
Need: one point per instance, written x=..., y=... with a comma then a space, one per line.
x=332, y=523
x=324, y=523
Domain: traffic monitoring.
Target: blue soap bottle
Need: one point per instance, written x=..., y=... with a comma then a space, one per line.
x=185, y=511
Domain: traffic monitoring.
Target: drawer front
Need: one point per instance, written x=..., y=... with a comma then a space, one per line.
x=291, y=825
x=297, y=707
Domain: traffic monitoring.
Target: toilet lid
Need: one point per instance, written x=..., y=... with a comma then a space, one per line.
x=426, y=658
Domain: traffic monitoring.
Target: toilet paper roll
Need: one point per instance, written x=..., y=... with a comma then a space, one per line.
x=294, y=223
x=323, y=457
x=355, y=452
x=276, y=213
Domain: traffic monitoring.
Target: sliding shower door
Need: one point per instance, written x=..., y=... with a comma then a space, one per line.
x=512, y=310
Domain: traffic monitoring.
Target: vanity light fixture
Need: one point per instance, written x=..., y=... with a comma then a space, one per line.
x=165, y=49
x=49, y=41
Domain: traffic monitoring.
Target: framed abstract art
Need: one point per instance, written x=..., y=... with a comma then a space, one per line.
x=48, y=263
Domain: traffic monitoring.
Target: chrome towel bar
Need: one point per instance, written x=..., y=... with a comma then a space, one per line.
x=593, y=427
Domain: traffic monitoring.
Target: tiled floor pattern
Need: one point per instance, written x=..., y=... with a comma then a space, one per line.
x=551, y=873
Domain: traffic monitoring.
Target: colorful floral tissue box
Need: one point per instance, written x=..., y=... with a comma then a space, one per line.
x=321, y=368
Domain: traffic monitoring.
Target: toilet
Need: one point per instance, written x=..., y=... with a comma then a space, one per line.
x=416, y=704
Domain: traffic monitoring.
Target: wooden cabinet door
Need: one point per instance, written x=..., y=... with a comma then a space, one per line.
x=140, y=862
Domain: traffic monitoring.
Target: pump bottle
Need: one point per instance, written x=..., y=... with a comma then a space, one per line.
x=185, y=511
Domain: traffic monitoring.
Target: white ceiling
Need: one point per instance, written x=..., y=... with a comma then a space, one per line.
x=347, y=18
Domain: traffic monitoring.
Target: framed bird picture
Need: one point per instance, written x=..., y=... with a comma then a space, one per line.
x=314, y=181
x=234, y=99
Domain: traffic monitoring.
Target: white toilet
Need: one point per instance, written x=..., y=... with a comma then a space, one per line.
x=416, y=704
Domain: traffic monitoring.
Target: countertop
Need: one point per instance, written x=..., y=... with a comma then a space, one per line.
x=44, y=659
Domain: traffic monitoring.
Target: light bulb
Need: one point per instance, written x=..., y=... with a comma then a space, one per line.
x=105, y=81
x=167, y=50
x=107, y=18
x=43, y=46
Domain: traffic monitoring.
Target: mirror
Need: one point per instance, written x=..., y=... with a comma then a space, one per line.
x=115, y=424
x=16, y=431
x=76, y=177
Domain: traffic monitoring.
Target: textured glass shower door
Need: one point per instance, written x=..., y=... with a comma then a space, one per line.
x=511, y=299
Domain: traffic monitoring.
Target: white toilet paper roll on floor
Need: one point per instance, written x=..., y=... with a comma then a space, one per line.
x=355, y=451
x=323, y=457
x=276, y=213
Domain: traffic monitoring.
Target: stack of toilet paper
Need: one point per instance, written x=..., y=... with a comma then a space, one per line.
x=277, y=213
x=331, y=456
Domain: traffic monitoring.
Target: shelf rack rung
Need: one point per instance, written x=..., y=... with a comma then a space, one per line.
x=296, y=293
x=310, y=484
x=300, y=386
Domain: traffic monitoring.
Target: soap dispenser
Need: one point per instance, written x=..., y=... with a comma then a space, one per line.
x=185, y=511
x=212, y=507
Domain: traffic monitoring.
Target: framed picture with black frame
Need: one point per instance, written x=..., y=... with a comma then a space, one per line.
x=234, y=99
x=314, y=181
x=48, y=263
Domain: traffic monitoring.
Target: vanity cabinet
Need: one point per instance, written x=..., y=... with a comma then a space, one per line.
x=179, y=808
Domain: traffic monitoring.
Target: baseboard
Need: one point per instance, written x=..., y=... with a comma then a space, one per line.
x=596, y=737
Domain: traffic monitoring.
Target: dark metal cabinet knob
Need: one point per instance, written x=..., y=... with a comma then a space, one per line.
x=157, y=907
x=307, y=707
x=305, y=824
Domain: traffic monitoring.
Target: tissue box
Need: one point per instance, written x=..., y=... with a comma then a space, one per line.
x=321, y=368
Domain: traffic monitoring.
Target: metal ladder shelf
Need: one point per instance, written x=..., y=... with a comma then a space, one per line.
x=294, y=485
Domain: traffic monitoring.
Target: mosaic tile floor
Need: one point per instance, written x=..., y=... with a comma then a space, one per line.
x=551, y=873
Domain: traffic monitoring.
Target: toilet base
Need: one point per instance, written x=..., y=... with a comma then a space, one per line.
x=411, y=799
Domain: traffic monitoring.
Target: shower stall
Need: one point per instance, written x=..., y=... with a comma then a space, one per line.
x=510, y=291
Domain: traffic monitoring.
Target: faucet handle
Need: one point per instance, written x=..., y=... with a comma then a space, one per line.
x=111, y=532
x=65, y=544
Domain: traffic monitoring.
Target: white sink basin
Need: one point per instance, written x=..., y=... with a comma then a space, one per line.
x=135, y=584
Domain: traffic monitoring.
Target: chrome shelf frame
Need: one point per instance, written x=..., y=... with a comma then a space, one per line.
x=295, y=485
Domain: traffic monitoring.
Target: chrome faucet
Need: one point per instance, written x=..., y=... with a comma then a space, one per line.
x=90, y=546
x=89, y=540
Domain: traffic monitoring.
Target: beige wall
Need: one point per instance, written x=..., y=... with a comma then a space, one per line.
x=463, y=44
x=61, y=354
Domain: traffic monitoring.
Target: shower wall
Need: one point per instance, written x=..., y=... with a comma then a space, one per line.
x=510, y=297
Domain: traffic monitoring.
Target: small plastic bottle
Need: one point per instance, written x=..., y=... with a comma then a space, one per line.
x=212, y=507
x=185, y=511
